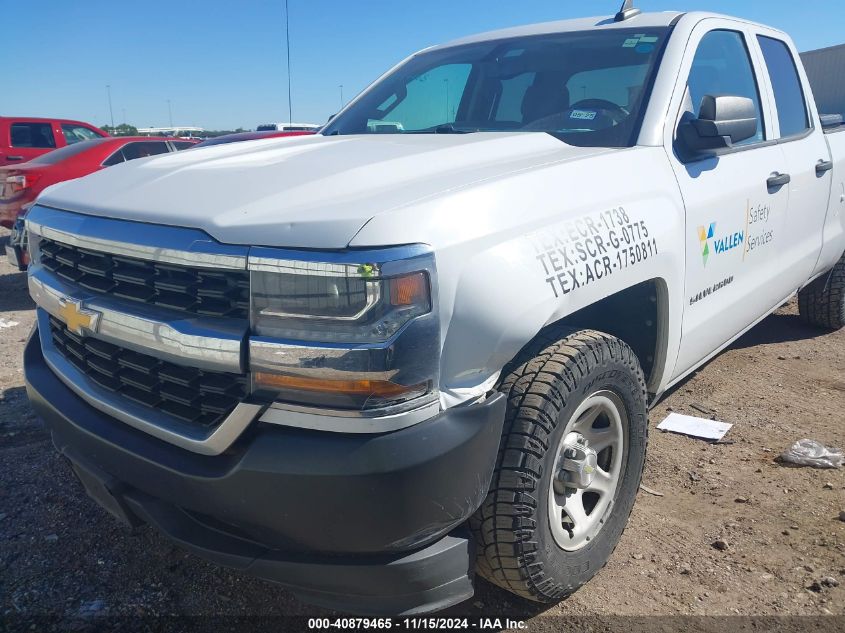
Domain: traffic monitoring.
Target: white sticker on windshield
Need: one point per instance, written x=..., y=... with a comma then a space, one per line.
x=639, y=38
x=584, y=115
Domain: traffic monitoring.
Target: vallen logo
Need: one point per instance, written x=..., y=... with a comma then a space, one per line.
x=705, y=234
x=720, y=245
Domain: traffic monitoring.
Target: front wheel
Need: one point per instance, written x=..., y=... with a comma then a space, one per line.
x=569, y=465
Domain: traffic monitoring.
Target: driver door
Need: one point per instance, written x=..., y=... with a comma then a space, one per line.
x=733, y=210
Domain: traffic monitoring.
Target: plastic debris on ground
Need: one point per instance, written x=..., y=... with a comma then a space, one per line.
x=812, y=453
x=695, y=427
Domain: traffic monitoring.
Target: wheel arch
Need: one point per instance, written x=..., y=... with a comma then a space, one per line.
x=639, y=316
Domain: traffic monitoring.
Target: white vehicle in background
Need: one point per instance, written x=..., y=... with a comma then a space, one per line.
x=369, y=363
x=188, y=132
x=288, y=127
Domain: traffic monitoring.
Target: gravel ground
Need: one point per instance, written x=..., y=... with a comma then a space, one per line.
x=734, y=532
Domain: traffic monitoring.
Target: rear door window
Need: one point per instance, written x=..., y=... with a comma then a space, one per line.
x=789, y=95
x=36, y=135
x=75, y=133
x=182, y=144
x=114, y=159
x=142, y=149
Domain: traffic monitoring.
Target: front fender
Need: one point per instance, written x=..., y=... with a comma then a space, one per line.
x=521, y=252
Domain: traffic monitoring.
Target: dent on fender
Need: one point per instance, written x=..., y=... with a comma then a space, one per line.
x=510, y=292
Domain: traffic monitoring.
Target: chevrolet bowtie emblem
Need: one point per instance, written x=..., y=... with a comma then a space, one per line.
x=77, y=318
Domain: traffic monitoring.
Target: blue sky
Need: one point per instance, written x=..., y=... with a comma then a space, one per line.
x=222, y=63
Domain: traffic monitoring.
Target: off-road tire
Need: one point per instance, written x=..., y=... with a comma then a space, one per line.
x=544, y=385
x=822, y=302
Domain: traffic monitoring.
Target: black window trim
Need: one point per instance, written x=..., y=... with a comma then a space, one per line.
x=811, y=122
x=742, y=148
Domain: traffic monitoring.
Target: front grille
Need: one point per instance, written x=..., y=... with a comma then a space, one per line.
x=198, y=397
x=222, y=293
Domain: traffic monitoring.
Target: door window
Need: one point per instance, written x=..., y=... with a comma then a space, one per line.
x=722, y=66
x=789, y=96
x=75, y=133
x=142, y=149
x=114, y=159
x=37, y=135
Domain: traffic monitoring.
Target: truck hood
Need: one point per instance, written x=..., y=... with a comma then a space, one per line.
x=302, y=192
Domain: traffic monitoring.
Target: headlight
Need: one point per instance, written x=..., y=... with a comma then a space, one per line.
x=336, y=303
x=348, y=335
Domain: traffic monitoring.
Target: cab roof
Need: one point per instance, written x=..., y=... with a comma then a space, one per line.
x=605, y=22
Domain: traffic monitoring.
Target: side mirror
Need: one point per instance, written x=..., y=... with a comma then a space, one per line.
x=722, y=121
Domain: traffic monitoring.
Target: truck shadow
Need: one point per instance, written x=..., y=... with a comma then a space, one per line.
x=14, y=294
x=778, y=328
x=491, y=602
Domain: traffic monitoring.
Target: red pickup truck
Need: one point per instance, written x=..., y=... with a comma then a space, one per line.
x=25, y=138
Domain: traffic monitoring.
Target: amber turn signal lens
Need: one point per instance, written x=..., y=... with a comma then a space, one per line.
x=408, y=290
x=380, y=388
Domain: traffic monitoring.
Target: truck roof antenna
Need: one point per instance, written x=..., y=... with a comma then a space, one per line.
x=627, y=11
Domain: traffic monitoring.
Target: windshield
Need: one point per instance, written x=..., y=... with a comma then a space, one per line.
x=58, y=155
x=587, y=88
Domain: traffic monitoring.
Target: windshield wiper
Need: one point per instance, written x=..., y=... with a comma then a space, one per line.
x=445, y=128
x=448, y=128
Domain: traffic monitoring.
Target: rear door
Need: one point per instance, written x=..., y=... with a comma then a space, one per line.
x=808, y=163
x=733, y=216
x=28, y=140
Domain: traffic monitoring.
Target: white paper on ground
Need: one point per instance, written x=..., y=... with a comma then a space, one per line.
x=697, y=427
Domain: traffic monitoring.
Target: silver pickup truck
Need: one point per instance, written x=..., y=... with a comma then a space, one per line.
x=421, y=345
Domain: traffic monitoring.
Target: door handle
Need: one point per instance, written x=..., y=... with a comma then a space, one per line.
x=823, y=166
x=777, y=181
x=14, y=157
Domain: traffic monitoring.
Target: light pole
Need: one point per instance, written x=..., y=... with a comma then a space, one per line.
x=341, y=96
x=170, y=112
x=111, y=112
x=287, y=40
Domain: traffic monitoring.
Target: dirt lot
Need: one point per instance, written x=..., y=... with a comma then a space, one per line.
x=61, y=555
